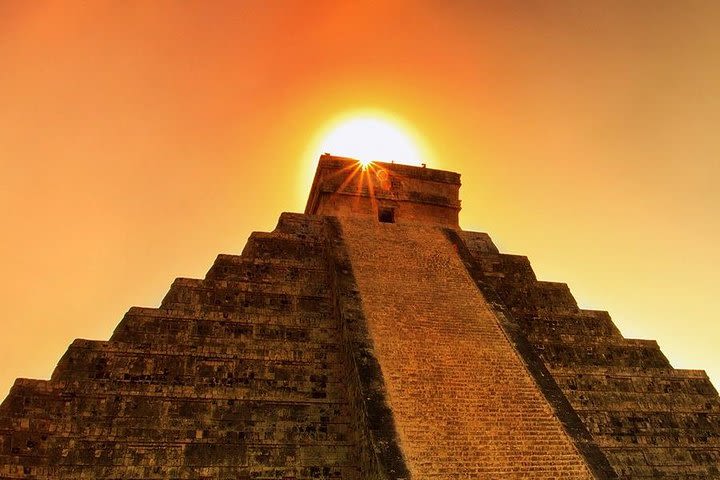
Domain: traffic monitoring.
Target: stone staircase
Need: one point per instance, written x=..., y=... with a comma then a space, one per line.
x=463, y=401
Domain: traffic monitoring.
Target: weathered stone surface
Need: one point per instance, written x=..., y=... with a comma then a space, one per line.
x=648, y=419
x=369, y=338
x=463, y=401
x=240, y=375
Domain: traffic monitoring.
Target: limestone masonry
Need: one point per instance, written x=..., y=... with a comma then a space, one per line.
x=368, y=338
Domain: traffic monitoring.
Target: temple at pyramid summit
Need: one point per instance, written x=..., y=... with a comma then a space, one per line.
x=367, y=338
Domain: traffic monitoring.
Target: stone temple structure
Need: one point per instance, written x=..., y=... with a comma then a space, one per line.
x=368, y=338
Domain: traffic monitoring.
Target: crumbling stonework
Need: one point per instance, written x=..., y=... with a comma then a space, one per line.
x=369, y=338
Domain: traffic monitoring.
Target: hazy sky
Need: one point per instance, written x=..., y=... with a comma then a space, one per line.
x=140, y=139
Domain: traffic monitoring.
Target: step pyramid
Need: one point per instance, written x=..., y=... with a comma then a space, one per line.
x=368, y=338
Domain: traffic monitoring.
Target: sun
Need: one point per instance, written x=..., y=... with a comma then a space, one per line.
x=372, y=136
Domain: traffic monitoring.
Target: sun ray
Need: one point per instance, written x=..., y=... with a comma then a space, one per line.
x=353, y=171
x=371, y=191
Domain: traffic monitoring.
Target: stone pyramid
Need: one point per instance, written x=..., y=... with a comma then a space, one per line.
x=368, y=338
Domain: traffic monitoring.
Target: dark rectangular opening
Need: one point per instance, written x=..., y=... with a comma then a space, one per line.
x=386, y=215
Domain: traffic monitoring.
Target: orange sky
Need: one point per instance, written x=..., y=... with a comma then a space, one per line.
x=138, y=140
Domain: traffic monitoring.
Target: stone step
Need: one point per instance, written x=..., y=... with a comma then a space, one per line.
x=587, y=342
x=682, y=472
x=277, y=245
x=239, y=268
x=642, y=441
x=46, y=419
x=185, y=296
x=583, y=322
x=24, y=391
x=198, y=331
x=655, y=423
x=478, y=243
x=640, y=372
x=259, y=390
x=299, y=368
x=157, y=325
x=194, y=454
x=268, y=350
x=174, y=416
x=41, y=442
x=667, y=460
x=177, y=471
x=29, y=410
x=616, y=379
x=535, y=297
x=503, y=265
x=304, y=280
x=642, y=402
x=302, y=225
x=224, y=292
x=624, y=353
x=270, y=318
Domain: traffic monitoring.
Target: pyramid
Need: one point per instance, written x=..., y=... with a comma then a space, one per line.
x=368, y=338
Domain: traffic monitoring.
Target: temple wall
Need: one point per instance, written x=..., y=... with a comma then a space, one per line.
x=415, y=195
x=403, y=211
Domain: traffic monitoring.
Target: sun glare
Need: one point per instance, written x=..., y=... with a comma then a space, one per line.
x=370, y=137
x=367, y=135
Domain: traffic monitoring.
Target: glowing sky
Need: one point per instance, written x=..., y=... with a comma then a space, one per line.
x=138, y=140
x=371, y=136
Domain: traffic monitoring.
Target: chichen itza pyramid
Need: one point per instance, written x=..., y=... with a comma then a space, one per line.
x=368, y=338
